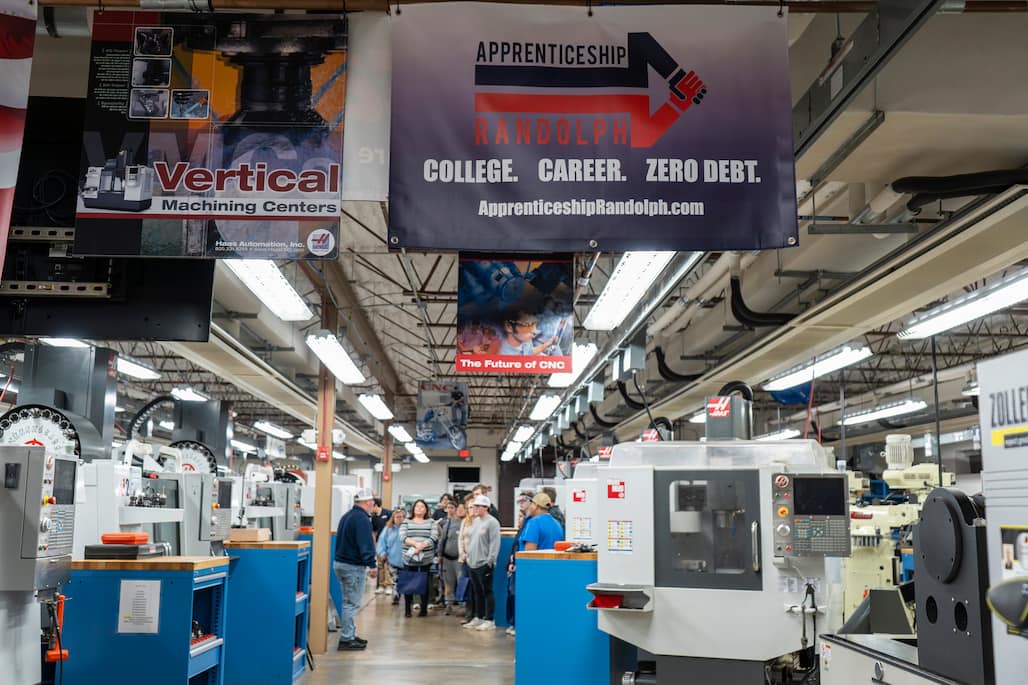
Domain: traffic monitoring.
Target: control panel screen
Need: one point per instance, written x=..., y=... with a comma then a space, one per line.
x=64, y=481
x=224, y=494
x=820, y=496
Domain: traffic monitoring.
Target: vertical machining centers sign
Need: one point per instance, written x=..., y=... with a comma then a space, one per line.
x=213, y=136
x=542, y=129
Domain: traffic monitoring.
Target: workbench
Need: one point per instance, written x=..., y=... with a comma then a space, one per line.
x=266, y=632
x=557, y=638
x=130, y=622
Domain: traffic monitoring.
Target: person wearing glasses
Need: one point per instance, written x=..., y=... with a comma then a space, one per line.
x=519, y=334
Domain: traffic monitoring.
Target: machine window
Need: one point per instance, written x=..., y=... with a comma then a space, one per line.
x=819, y=496
x=708, y=526
x=64, y=481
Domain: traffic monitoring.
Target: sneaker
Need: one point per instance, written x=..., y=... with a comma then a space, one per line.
x=378, y=591
x=350, y=645
x=486, y=625
x=431, y=606
x=510, y=631
x=416, y=606
x=473, y=623
x=358, y=638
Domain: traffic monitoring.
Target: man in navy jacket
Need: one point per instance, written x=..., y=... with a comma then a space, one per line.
x=354, y=558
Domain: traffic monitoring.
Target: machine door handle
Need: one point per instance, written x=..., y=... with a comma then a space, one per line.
x=755, y=541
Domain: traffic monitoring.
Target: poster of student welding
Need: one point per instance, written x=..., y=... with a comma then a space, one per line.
x=213, y=136
x=515, y=314
x=637, y=128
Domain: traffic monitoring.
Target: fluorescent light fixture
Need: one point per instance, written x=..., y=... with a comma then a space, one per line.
x=243, y=446
x=272, y=430
x=400, y=433
x=632, y=277
x=971, y=390
x=395, y=469
x=544, y=407
x=784, y=434
x=421, y=457
x=699, y=417
x=840, y=358
x=883, y=412
x=129, y=367
x=187, y=394
x=331, y=353
x=377, y=407
x=63, y=342
x=339, y=456
x=1002, y=294
x=523, y=433
x=167, y=425
x=312, y=446
x=581, y=355
x=264, y=279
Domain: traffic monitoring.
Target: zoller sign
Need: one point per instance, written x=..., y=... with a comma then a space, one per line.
x=538, y=129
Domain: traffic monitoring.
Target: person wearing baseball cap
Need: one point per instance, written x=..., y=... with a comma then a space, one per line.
x=482, y=548
x=354, y=556
x=541, y=531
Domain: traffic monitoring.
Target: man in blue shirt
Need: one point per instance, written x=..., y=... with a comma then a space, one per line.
x=541, y=531
x=354, y=557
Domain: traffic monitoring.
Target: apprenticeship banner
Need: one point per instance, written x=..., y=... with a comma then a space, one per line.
x=213, y=136
x=537, y=128
x=515, y=315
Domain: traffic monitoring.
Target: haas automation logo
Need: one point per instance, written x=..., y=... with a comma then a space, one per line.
x=719, y=407
x=321, y=242
x=617, y=110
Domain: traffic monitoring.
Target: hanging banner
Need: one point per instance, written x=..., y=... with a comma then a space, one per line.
x=514, y=316
x=640, y=128
x=213, y=136
x=442, y=416
x=17, y=40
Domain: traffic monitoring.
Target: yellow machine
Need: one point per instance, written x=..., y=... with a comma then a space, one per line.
x=878, y=529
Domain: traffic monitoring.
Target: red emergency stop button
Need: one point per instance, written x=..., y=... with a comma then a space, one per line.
x=783, y=512
x=51, y=500
x=215, y=505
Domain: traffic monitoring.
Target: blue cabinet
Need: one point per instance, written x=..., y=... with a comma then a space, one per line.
x=557, y=639
x=160, y=621
x=266, y=633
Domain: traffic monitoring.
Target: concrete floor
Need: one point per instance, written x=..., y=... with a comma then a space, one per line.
x=415, y=651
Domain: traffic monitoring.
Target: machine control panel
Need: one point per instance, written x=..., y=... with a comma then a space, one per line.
x=217, y=507
x=37, y=518
x=811, y=515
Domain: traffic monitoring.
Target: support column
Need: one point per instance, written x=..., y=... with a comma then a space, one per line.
x=387, y=472
x=321, y=558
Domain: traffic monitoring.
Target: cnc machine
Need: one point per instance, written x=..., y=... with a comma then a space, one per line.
x=716, y=558
x=37, y=526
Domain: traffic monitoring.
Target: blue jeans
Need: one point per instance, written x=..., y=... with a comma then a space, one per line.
x=351, y=581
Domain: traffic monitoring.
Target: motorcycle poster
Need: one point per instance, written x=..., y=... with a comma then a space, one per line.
x=442, y=416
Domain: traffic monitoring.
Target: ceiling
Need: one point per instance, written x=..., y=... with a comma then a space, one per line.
x=952, y=101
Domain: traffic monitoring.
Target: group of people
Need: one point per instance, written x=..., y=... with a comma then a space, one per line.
x=401, y=549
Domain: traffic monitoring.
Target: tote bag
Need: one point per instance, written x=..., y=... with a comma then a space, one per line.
x=412, y=582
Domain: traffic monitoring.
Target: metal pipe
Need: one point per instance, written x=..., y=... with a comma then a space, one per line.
x=842, y=410
x=938, y=418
